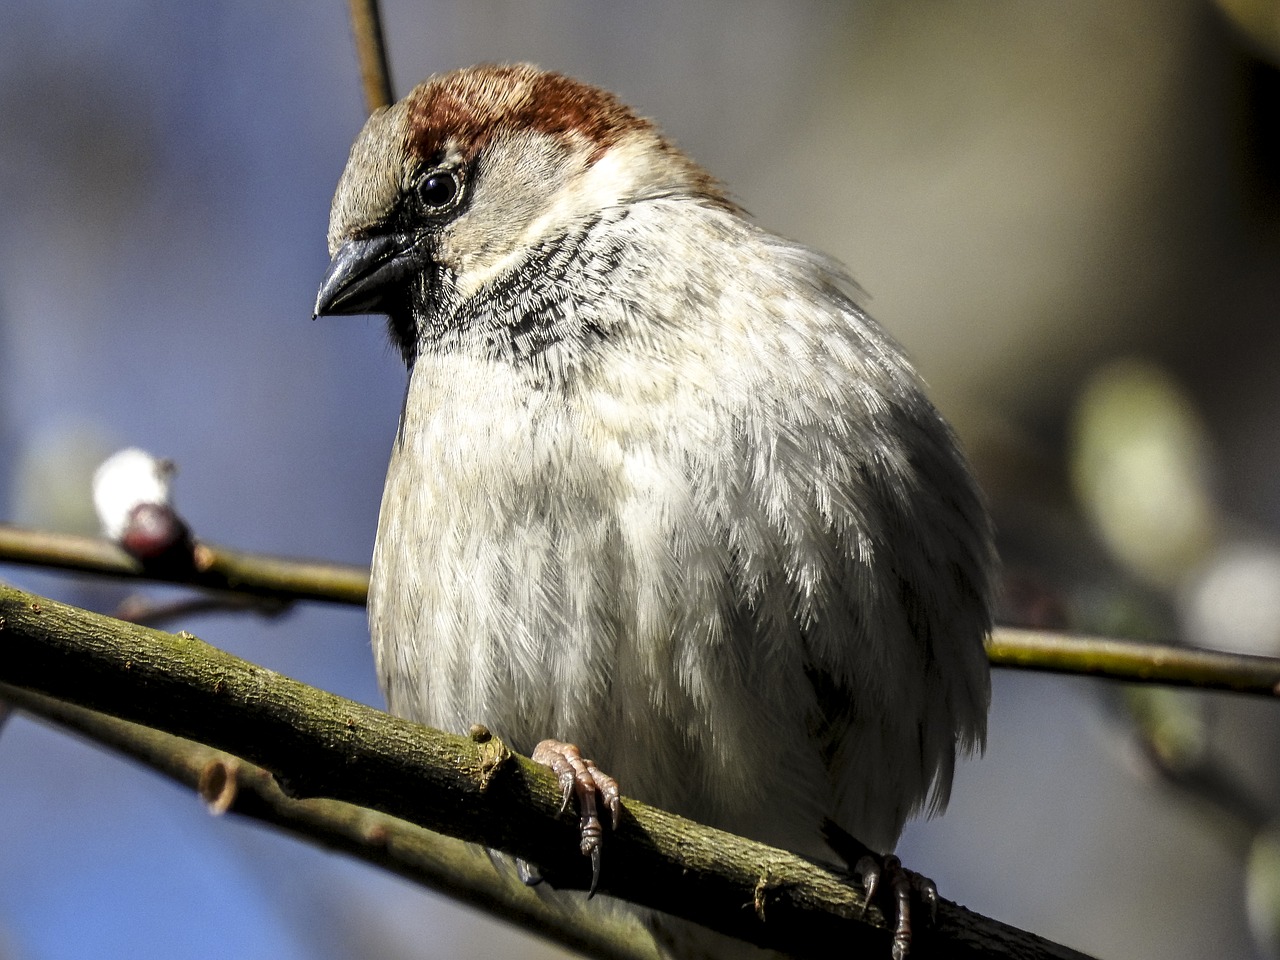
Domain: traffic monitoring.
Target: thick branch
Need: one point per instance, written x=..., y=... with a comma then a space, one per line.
x=228, y=784
x=320, y=745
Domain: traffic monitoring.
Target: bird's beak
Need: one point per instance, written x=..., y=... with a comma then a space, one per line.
x=368, y=275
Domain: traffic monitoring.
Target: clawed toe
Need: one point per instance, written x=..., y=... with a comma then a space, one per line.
x=581, y=778
x=886, y=875
x=884, y=879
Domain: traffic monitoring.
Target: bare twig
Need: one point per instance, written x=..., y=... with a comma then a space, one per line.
x=215, y=568
x=284, y=579
x=371, y=47
x=320, y=745
x=1129, y=660
x=152, y=613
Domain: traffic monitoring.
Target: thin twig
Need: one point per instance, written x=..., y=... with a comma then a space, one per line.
x=371, y=48
x=153, y=613
x=1132, y=661
x=221, y=568
x=215, y=568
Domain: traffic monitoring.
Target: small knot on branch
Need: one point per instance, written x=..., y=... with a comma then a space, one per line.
x=218, y=786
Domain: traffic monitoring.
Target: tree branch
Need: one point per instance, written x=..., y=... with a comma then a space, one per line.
x=228, y=784
x=1133, y=661
x=321, y=745
x=371, y=48
x=219, y=568
x=213, y=568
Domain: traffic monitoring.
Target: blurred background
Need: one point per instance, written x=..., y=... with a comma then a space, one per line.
x=1068, y=213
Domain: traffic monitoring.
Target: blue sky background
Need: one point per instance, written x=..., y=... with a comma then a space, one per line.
x=1023, y=191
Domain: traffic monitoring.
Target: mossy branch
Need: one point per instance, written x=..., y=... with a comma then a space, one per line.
x=228, y=784
x=318, y=745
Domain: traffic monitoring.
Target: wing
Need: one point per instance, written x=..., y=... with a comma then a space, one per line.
x=858, y=535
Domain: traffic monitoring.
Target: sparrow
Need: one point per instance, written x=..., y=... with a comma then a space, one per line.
x=661, y=487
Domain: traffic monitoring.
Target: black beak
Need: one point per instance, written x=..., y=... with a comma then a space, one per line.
x=368, y=275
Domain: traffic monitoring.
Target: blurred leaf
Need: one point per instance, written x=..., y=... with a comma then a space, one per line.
x=1140, y=466
x=1262, y=889
x=1259, y=21
x=51, y=480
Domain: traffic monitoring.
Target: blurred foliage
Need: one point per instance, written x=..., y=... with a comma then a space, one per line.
x=1262, y=882
x=1259, y=22
x=1140, y=466
x=51, y=478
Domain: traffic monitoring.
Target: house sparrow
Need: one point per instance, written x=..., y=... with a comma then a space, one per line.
x=661, y=487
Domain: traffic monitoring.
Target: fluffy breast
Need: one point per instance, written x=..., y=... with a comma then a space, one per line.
x=735, y=531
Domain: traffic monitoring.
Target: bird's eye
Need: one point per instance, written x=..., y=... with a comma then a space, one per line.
x=438, y=190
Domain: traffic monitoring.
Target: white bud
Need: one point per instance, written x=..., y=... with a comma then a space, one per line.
x=126, y=480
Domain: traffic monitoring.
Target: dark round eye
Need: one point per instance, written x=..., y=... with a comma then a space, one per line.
x=438, y=190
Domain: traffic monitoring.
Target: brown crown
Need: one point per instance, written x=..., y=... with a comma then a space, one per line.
x=468, y=108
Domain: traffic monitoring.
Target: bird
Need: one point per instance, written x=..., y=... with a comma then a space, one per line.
x=666, y=508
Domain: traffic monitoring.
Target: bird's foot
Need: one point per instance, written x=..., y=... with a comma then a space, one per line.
x=581, y=778
x=903, y=888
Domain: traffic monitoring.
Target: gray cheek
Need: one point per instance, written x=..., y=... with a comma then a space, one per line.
x=517, y=180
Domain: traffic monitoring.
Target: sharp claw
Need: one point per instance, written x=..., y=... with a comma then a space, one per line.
x=527, y=873
x=929, y=895
x=580, y=778
x=887, y=877
x=566, y=789
x=869, y=871
x=595, y=871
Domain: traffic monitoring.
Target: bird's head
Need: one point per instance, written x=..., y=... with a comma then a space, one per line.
x=452, y=187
